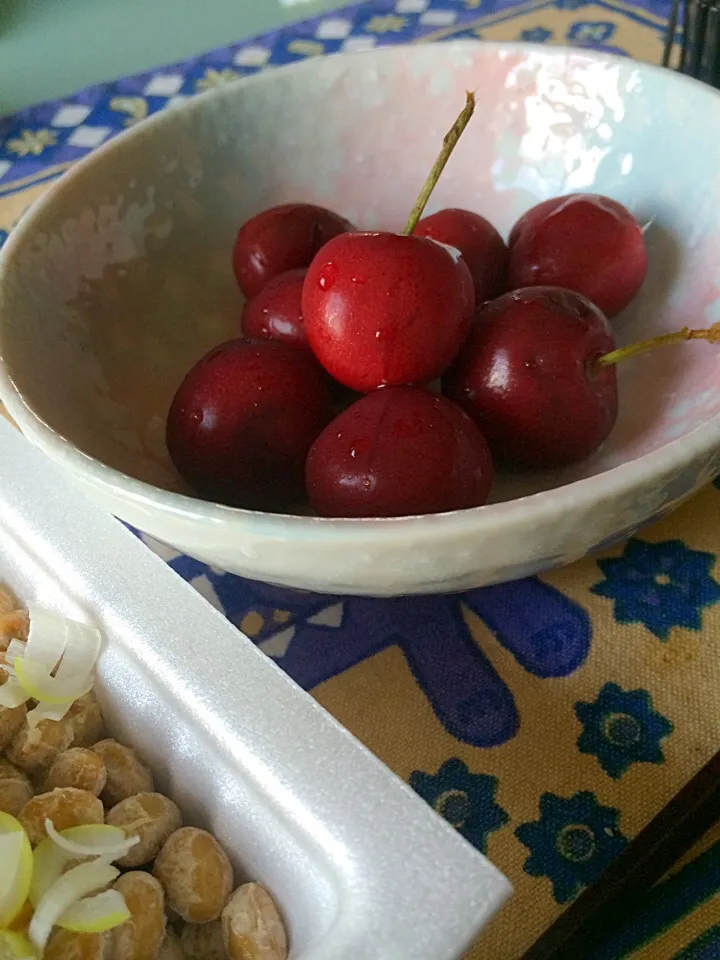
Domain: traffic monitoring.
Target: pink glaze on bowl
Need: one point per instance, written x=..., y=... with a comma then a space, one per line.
x=120, y=278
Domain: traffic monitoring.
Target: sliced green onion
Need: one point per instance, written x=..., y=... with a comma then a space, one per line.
x=16, y=946
x=72, y=886
x=66, y=648
x=16, y=648
x=92, y=840
x=49, y=861
x=82, y=648
x=42, y=686
x=16, y=863
x=96, y=914
x=47, y=637
x=11, y=693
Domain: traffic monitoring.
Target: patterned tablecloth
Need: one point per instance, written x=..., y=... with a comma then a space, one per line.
x=548, y=719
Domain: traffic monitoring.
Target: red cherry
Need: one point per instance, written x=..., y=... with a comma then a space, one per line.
x=243, y=420
x=281, y=239
x=397, y=452
x=533, y=216
x=276, y=312
x=583, y=242
x=382, y=309
x=528, y=376
x=482, y=247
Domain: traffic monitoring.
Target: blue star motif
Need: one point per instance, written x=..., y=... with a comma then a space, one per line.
x=536, y=35
x=466, y=800
x=572, y=843
x=661, y=585
x=621, y=728
x=315, y=637
x=3, y=236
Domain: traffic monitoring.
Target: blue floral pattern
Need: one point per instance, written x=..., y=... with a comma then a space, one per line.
x=660, y=585
x=60, y=132
x=536, y=35
x=572, y=843
x=591, y=32
x=466, y=800
x=621, y=728
x=315, y=638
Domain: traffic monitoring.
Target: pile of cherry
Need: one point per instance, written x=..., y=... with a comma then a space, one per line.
x=517, y=336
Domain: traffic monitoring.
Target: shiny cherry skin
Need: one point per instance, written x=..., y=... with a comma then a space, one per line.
x=243, y=420
x=583, y=242
x=397, y=452
x=482, y=247
x=533, y=216
x=384, y=310
x=276, y=312
x=527, y=377
x=280, y=239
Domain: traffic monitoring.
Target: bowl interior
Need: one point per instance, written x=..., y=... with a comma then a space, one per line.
x=121, y=278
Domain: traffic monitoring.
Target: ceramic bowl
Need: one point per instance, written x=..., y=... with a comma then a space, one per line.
x=119, y=279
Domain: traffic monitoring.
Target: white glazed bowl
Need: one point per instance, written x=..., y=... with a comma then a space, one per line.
x=119, y=279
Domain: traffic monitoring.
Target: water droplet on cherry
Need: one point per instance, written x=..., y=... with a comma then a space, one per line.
x=410, y=452
x=327, y=276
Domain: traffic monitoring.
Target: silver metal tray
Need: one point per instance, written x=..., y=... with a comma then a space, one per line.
x=363, y=869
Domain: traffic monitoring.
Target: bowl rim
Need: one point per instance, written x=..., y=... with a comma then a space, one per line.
x=544, y=505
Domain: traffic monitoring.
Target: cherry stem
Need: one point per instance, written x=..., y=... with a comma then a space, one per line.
x=712, y=334
x=449, y=143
